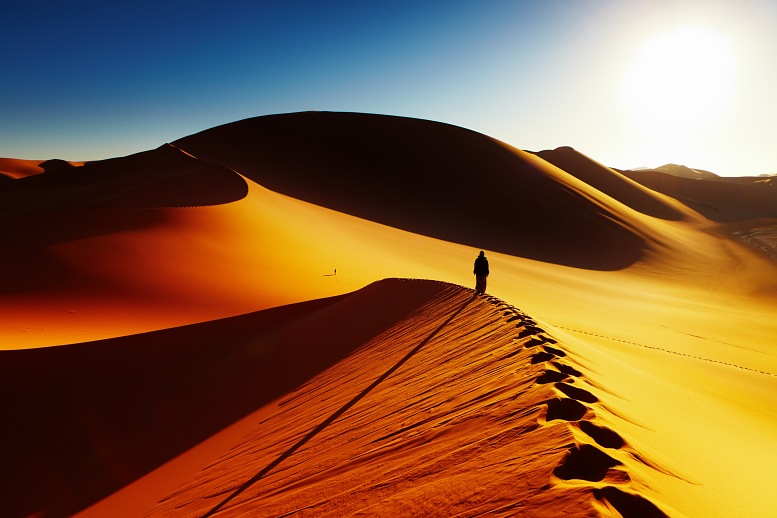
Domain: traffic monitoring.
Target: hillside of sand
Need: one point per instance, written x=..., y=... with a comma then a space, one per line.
x=655, y=320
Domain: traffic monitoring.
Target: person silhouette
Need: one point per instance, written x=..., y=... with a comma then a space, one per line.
x=481, y=273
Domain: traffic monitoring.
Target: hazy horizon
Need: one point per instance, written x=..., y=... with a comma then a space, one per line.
x=637, y=85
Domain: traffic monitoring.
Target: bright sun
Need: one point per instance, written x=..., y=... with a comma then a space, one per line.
x=679, y=80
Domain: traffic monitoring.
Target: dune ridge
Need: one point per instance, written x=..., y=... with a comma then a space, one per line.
x=508, y=416
x=404, y=443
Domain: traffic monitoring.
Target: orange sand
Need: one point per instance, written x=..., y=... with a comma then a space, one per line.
x=12, y=168
x=634, y=307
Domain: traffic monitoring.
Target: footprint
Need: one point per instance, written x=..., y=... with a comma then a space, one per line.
x=551, y=377
x=541, y=357
x=528, y=331
x=603, y=436
x=553, y=350
x=565, y=410
x=628, y=504
x=585, y=462
x=534, y=342
x=566, y=369
x=577, y=393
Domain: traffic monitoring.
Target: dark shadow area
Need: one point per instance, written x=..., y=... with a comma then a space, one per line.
x=554, y=351
x=57, y=166
x=585, y=462
x=541, y=357
x=332, y=418
x=528, y=330
x=610, y=182
x=603, y=436
x=429, y=178
x=551, y=376
x=627, y=504
x=576, y=393
x=28, y=262
x=565, y=410
x=164, y=177
x=720, y=199
x=82, y=421
x=66, y=203
x=566, y=369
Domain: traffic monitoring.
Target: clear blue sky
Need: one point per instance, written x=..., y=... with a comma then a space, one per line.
x=630, y=83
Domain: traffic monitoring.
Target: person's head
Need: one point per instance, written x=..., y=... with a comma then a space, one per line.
x=482, y=253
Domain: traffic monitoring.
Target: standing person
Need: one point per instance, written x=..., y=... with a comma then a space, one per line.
x=481, y=273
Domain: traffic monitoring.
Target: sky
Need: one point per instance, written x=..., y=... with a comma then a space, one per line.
x=637, y=83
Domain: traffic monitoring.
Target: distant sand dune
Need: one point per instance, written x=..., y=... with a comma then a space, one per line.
x=718, y=199
x=12, y=168
x=613, y=183
x=428, y=178
x=164, y=177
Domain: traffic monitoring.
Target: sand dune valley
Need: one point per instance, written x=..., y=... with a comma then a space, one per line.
x=276, y=317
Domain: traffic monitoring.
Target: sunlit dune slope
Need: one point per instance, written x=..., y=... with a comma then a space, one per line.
x=429, y=178
x=12, y=168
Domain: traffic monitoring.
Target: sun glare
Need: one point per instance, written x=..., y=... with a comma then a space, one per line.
x=679, y=80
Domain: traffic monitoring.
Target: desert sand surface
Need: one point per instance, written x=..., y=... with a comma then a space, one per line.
x=275, y=317
x=13, y=168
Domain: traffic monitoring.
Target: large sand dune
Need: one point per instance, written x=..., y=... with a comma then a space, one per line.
x=198, y=330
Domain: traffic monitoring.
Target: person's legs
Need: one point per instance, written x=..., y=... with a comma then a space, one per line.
x=480, y=284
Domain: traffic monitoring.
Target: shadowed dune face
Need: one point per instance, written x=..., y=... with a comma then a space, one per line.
x=720, y=199
x=70, y=205
x=429, y=178
x=164, y=177
x=32, y=265
x=610, y=182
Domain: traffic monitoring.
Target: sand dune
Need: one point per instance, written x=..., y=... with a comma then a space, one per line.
x=614, y=184
x=164, y=177
x=687, y=172
x=229, y=348
x=453, y=184
x=12, y=168
x=422, y=393
x=718, y=199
